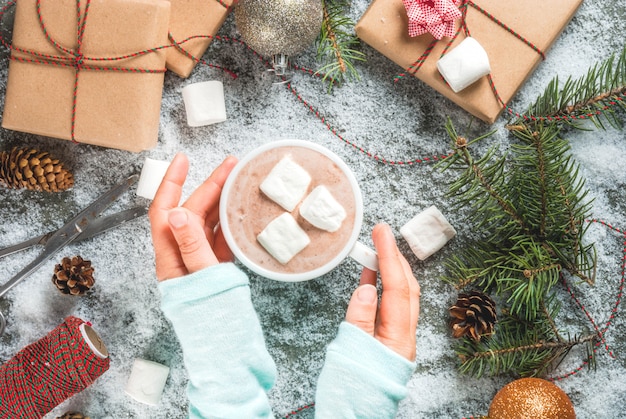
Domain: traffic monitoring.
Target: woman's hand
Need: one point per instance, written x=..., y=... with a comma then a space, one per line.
x=394, y=321
x=187, y=238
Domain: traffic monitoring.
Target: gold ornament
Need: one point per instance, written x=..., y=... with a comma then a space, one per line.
x=531, y=398
x=279, y=28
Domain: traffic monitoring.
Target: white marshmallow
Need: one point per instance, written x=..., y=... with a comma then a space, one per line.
x=427, y=232
x=464, y=65
x=147, y=381
x=321, y=209
x=283, y=238
x=286, y=183
x=152, y=174
x=204, y=103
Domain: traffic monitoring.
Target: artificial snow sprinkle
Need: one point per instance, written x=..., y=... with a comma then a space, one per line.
x=394, y=121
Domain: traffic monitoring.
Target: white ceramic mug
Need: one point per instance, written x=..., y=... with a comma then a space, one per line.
x=353, y=248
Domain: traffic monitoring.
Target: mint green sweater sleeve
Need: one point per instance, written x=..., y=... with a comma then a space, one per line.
x=361, y=378
x=229, y=368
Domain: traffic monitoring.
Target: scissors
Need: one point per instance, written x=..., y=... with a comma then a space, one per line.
x=85, y=224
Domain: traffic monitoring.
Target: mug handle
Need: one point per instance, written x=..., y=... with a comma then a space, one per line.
x=365, y=256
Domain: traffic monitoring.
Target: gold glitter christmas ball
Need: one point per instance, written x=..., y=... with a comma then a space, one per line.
x=531, y=398
x=279, y=26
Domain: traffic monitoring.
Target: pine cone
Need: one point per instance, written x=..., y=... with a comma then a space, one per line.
x=73, y=276
x=72, y=415
x=473, y=315
x=34, y=170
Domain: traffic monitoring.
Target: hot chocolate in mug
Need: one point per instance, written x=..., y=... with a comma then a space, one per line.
x=245, y=211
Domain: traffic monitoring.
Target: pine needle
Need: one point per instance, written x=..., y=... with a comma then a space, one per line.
x=598, y=96
x=337, y=45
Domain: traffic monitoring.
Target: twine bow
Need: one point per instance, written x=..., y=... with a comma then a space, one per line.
x=434, y=16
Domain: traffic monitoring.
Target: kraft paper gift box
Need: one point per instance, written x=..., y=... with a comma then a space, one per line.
x=116, y=108
x=384, y=26
x=194, y=18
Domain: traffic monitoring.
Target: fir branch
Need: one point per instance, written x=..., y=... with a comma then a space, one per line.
x=480, y=182
x=550, y=307
x=487, y=267
x=336, y=44
x=530, y=207
x=596, y=96
x=531, y=204
x=555, y=197
x=533, y=359
x=522, y=347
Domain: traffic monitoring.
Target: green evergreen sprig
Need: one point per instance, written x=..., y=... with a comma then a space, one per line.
x=597, y=96
x=521, y=347
x=530, y=206
x=336, y=44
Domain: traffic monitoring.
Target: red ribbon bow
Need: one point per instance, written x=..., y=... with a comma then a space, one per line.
x=434, y=16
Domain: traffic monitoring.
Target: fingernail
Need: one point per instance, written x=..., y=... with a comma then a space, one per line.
x=383, y=227
x=177, y=218
x=367, y=293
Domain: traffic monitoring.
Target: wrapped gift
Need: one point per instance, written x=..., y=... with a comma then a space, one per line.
x=193, y=24
x=515, y=35
x=101, y=85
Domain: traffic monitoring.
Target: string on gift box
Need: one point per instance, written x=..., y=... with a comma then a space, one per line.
x=179, y=45
x=463, y=28
x=74, y=57
x=49, y=371
x=228, y=7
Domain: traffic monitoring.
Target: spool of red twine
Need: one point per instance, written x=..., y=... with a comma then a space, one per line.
x=49, y=371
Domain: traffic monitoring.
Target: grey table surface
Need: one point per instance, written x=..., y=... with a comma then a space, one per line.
x=398, y=121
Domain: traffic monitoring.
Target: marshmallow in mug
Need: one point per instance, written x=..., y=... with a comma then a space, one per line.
x=321, y=209
x=147, y=381
x=286, y=183
x=427, y=232
x=283, y=238
x=204, y=103
x=464, y=65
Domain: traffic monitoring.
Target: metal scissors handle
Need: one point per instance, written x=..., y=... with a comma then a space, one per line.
x=66, y=234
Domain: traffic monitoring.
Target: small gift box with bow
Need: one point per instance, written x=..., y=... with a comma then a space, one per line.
x=88, y=71
x=193, y=24
x=416, y=34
